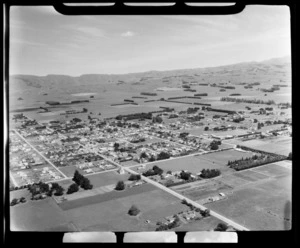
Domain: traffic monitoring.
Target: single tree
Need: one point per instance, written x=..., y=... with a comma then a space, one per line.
x=221, y=227
x=120, y=185
x=133, y=210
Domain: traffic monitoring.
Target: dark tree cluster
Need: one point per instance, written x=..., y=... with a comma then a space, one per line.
x=204, y=213
x=154, y=171
x=214, y=145
x=134, y=177
x=82, y=181
x=37, y=190
x=164, y=227
x=120, y=186
x=192, y=110
x=163, y=155
x=16, y=201
x=135, y=116
x=255, y=101
x=207, y=173
x=73, y=188
x=185, y=175
x=157, y=119
x=254, y=161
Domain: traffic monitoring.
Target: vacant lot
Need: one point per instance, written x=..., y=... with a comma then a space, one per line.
x=263, y=206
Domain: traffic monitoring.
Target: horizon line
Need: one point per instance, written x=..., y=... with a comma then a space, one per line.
x=148, y=71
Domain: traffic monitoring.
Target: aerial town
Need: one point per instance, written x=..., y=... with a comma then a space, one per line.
x=149, y=123
x=194, y=157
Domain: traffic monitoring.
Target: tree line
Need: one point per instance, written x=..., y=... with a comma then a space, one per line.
x=255, y=101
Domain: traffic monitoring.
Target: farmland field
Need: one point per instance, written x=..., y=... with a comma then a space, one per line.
x=209, y=188
x=272, y=170
x=266, y=207
x=106, y=178
x=113, y=215
x=250, y=175
x=281, y=145
x=222, y=157
x=192, y=163
x=232, y=180
x=94, y=199
x=37, y=216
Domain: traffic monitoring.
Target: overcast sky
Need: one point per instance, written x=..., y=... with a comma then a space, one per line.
x=44, y=42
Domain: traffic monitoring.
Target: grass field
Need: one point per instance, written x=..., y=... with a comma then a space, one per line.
x=112, y=215
x=36, y=216
x=205, y=189
x=105, y=197
x=222, y=157
x=266, y=207
x=194, y=164
x=107, y=178
x=233, y=181
x=280, y=145
x=251, y=176
x=272, y=170
x=191, y=163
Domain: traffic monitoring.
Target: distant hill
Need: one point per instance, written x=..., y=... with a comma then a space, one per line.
x=19, y=83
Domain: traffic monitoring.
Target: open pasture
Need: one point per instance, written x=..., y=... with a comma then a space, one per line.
x=222, y=157
x=272, y=170
x=94, y=199
x=106, y=178
x=113, y=215
x=232, y=181
x=250, y=175
x=36, y=216
x=282, y=146
x=266, y=207
x=191, y=163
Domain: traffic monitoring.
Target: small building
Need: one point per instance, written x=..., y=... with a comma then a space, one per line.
x=121, y=171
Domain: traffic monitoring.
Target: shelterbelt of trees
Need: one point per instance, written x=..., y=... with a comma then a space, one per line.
x=254, y=101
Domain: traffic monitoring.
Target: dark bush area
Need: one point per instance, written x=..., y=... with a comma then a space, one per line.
x=207, y=173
